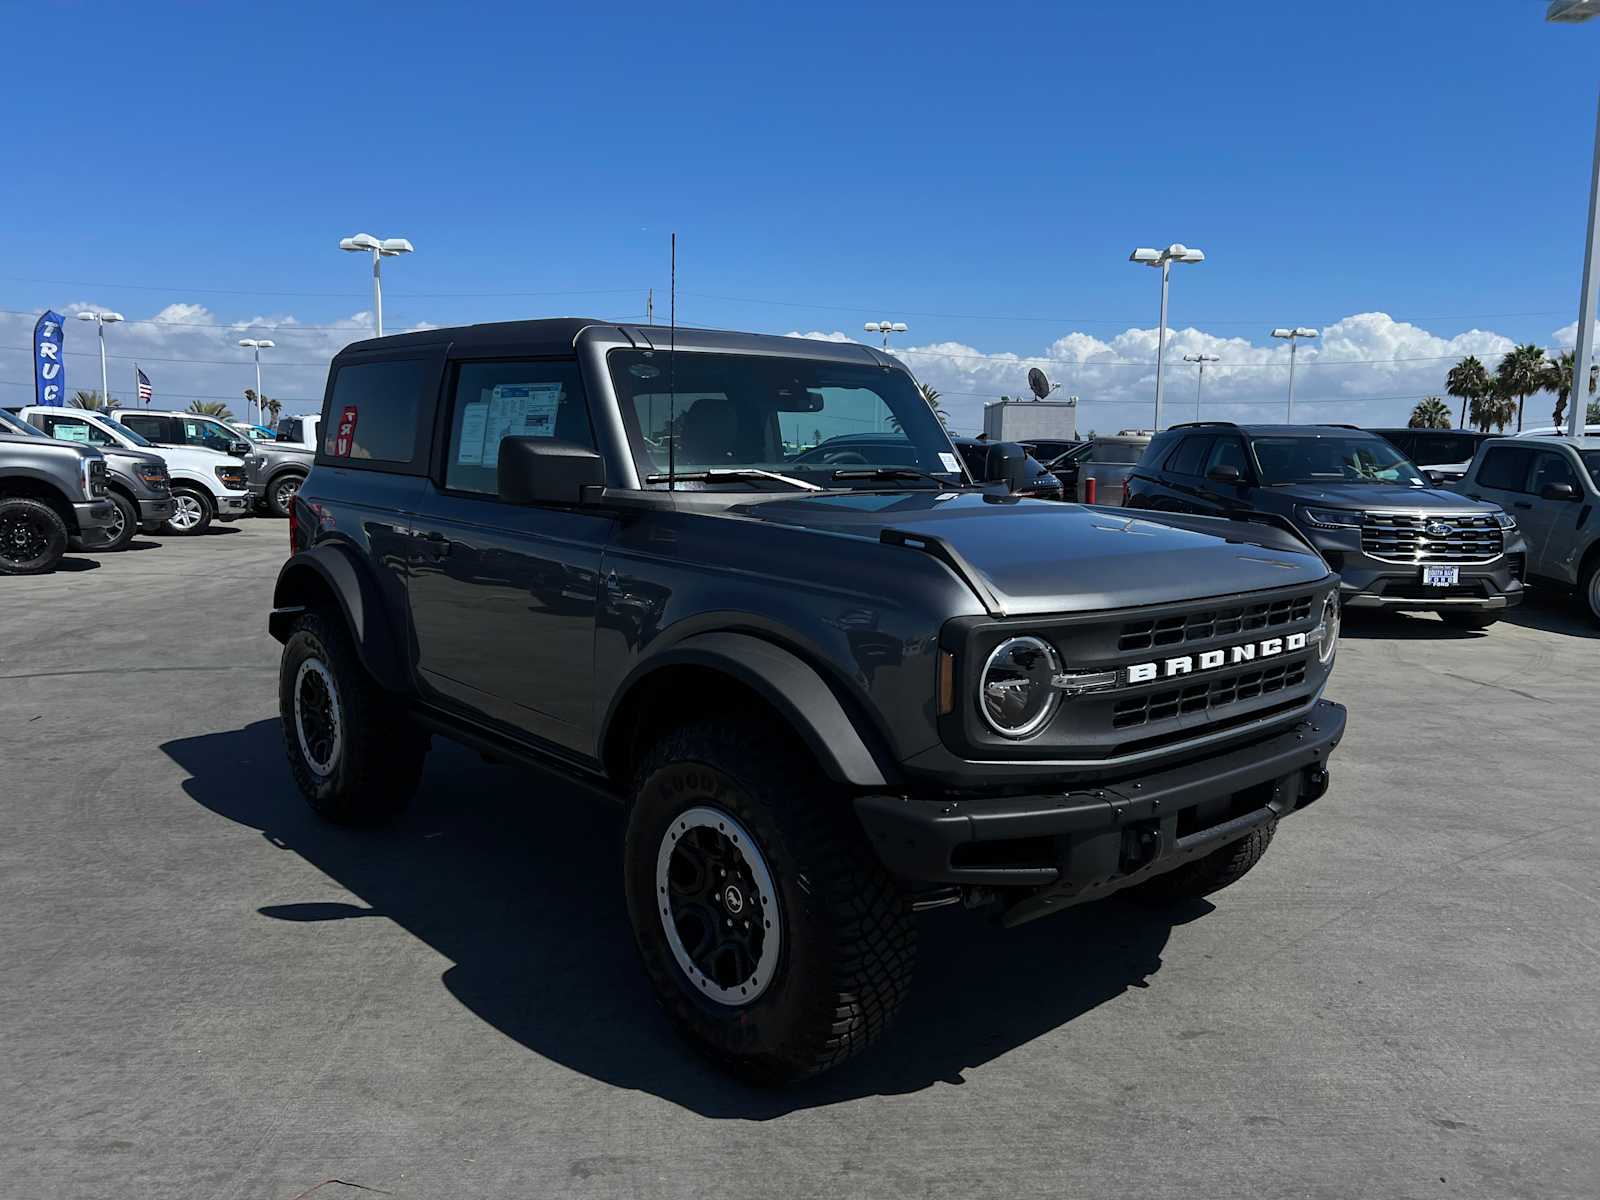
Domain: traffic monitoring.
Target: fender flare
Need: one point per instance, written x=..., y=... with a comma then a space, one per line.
x=787, y=682
x=359, y=600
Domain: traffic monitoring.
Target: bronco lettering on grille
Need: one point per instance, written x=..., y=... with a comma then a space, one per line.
x=1211, y=660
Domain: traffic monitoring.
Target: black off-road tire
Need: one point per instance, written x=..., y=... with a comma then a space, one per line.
x=1589, y=589
x=281, y=491
x=33, y=537
x=1469, y=620
x=1210, y=873
x=129, y=511
x=371, y=771
x=848, y=938
x=185, y=494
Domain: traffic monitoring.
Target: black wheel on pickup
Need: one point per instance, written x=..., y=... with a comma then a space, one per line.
x=775, y=941
x=352, y=751
x=33, y=537
x=1210, y=873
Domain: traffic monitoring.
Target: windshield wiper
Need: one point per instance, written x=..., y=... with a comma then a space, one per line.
x=894, y=473
x=717, y=473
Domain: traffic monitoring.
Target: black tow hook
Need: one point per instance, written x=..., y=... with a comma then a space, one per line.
x=1313, y=786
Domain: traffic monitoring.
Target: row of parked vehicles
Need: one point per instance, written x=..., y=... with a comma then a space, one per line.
x=91, y=480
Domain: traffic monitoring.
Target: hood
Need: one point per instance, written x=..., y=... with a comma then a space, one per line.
x=126, y=454
x=1379, y=497
x=49, y=445
x=281, y=447
x=1042, y=556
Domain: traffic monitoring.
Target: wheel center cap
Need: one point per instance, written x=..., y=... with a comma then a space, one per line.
x=733, y=900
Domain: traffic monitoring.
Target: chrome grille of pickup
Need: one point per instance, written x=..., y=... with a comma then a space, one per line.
x=1210, y=694
x=1405, y=537
x=1217, y=622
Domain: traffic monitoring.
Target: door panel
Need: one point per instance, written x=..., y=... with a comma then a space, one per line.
x=1549, y=526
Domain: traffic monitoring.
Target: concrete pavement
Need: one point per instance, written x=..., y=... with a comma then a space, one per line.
x=208, y=993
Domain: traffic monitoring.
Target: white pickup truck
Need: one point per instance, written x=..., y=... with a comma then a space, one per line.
x=206, y=485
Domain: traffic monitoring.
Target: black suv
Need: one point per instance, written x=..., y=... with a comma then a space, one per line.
x=1396, y=541
x=1443, y=454
x=829, y=693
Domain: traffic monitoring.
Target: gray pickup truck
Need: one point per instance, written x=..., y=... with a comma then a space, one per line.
x=1549, y=486
x=50, y=492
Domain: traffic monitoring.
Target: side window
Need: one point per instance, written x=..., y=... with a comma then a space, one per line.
x=1553, y=468
x=1505, y=468
x=1186, y=459
x=75, y=429
x=372, y=415
x=1228, y=452
x=496, y=400
x=148, y=426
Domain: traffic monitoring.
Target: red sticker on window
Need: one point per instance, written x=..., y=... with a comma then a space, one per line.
x=347, y=432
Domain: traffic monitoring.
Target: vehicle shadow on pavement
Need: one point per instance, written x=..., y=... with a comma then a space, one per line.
x=515, y=877
x=1552, y=610
x=1401, y=626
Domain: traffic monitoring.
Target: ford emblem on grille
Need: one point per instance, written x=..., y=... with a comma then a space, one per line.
x=1439, y=529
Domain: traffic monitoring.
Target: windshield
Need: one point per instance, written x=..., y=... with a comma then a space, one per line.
x=803, y=419
x=290, y=429
x=14, y=424
x=1333, y=459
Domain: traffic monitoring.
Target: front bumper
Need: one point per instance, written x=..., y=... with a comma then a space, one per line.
x=94, y=519
x=1491, y=586
x=233, y=505
x=153, y=512
x=1066, y=848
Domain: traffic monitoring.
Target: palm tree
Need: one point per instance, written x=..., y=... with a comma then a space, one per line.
x=1430, y=413
x=211, y=408
x=1466, y=381
x=91, y=400
x=1496, y=407
x=273, y=407
x=1521, y=374
x=1558, y=379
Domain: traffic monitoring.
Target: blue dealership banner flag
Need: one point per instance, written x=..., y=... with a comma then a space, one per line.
x=49, y=368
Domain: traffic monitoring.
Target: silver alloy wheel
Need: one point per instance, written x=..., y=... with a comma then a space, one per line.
x=713, y=887
x=186, y=511
x=119, y=523
x=285, y=491
x=317, y=722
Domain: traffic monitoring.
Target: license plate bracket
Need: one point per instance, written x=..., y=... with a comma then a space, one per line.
x=1441, y=576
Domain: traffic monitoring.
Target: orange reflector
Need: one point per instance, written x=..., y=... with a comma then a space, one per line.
x=947, y=682
x=1088, y=490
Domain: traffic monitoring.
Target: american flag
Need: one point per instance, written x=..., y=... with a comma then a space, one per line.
x=144, y=386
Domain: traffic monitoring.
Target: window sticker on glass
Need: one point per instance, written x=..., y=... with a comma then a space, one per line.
x=71, y=431
x=951, y=463
x=474, y=420
x=506, y=410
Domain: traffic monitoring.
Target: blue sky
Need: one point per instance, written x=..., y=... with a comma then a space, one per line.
x=980, y=172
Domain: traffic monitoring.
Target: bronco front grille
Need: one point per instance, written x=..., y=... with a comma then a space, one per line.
x=1201, y=697
x=1217, y=622
x=1427, y=538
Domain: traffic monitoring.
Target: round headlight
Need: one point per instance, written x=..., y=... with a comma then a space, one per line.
x=1015, y=693
x=1330, y=628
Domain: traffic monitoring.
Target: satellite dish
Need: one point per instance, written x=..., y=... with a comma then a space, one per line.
x=1038, y=383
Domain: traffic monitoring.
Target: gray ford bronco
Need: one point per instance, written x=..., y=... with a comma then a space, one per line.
x=831, y=690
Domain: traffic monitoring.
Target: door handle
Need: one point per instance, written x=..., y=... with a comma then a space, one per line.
x=435, y=543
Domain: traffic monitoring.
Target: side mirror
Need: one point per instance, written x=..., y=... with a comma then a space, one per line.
x=239, y=448
x=1224, y=473
x=1008, y=464
x=1558, y=491
x=535, y=470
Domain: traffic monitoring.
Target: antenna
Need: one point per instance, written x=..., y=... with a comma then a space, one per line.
x=672, y=377
x=650, y=307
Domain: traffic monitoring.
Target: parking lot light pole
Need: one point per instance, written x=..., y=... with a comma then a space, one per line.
x=1573, y=12
x=1293, y=335
x=1199, y=383
x=258, y=345
x=101, y=319
x=1177, y=252
x=380, y=250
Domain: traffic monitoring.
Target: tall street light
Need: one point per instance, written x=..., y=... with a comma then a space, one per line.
x=258, y=345
x=885, y=328
x=1293, y=335
x=1177, y=252
x=1199, y=383
x=101, y=320
x=380, y=250
x=1574, y=11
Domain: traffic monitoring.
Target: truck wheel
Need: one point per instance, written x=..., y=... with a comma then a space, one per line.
x=1469, y=620
x=1589, y=589
x=124, y=522
x=1210, y=873
x=192, y=511
x=351, y=749
x=281, y=492
x=775, y=941
x=33, y=537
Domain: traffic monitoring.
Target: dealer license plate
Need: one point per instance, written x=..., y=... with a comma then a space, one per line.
x=1441, y=576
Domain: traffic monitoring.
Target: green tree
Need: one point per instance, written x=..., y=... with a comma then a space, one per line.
x=274, y=408
x=269, y=406
x=1591, y=415
x=1496, y=407
x=1520, y=374
x=1430, y=413
x=1467, y=381
x=211, y=408
x=1558, y=379
x=91, y=400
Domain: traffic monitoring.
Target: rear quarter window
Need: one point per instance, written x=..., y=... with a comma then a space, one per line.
x=372, y=412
